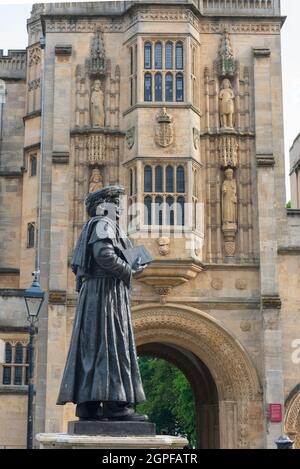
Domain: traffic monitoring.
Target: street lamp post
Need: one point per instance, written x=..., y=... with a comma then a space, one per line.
x=34, y=297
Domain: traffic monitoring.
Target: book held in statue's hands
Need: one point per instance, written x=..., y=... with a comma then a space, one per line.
x=132, y=254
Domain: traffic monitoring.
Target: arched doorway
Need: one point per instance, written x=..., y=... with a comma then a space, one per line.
x=215, y=363
x=203, y=387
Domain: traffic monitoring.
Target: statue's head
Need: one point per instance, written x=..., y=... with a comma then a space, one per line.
x=229, y=174
x=97, y=85
x=226, y=84
x=96, y=175
x=105, y=202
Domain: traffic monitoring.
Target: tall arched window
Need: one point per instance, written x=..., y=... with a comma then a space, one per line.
x=7, y=369
x=169, y=87
x=158, y=179
x=169, y=55
x=158, y=87
x=179, y=56
x=169, y=179
x=19, y=353
x=147, y=211
x=148, y=56
x=6, y=375
x=33, y=165
x=180, y=180
x=158, y=211
x=158, y=56
x=180, y=211
x=30, y=235
x=170, y=211
x=179, y=87
x=19, y=360
x=148, y=87
x=148, y=179
x=8, y=353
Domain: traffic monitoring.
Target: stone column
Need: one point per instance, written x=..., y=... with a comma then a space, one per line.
x=228, y=414
x=62, y=103
x=270, y=301
x=61, y=183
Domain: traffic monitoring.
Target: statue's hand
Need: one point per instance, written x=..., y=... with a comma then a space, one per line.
x=137, y=268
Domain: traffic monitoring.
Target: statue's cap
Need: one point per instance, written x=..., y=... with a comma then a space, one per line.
x=102, y=195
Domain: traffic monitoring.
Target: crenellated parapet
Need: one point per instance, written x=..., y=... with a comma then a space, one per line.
x=241, y=7
x=205, y=7
x=13, y=65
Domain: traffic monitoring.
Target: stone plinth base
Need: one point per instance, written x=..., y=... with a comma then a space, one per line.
x=66, y=441
x=109, y=428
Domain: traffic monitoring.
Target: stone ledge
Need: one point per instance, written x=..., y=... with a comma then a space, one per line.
x=169, y=105
x=293, y=212
x=14, y=390
x=32, y=115
x=60, y=157
x=66, y=441
x=7, y=292
x=65, y=50
x=261, y=52
x=57, y=297
x=9, y=270
x=289, y=250
x=271, y=302
x=97, y=130
x=265, y=160
x=11, y=174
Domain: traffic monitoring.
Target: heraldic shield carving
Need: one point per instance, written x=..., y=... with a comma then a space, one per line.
x=164, y=134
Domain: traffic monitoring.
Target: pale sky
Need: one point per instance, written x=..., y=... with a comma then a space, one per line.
x=13, y=35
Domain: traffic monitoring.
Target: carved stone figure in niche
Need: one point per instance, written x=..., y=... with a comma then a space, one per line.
x=226, y=97
x=229, y=200
x=97, y=105
x=96, y=181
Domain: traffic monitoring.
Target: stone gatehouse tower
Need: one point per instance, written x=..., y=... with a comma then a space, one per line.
x=180, y=101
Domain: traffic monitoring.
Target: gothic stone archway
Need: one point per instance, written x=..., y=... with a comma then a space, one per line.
x=237, y=384
x=203, y=386
x=292, y=417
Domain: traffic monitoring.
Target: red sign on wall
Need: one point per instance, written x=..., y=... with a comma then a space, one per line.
x=276, y=413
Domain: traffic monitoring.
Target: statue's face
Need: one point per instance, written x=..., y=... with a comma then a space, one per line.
x=229, y=175
x=96, y=176
x=111, y=207
x=226, y=84
x=97, y=85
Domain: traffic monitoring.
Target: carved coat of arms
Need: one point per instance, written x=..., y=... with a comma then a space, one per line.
x=164, y=133
x=130, y=137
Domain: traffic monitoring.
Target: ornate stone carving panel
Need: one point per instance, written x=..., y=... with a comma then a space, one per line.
x=164, y=131
x=227, y=143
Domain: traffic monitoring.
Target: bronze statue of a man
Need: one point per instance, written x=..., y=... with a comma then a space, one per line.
x=101, y=374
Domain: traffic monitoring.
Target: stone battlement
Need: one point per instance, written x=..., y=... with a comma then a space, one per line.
x=205, y=7
x=13, y=65
x=241, y=7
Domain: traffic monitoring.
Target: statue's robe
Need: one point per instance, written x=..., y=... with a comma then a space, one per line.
x=102, y=361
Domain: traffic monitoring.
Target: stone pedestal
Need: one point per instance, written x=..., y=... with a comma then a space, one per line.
x=109, y=428
x=66, y=441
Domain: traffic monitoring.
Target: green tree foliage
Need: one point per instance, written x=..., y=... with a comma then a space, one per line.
x=170, y=401
x=289, y=204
